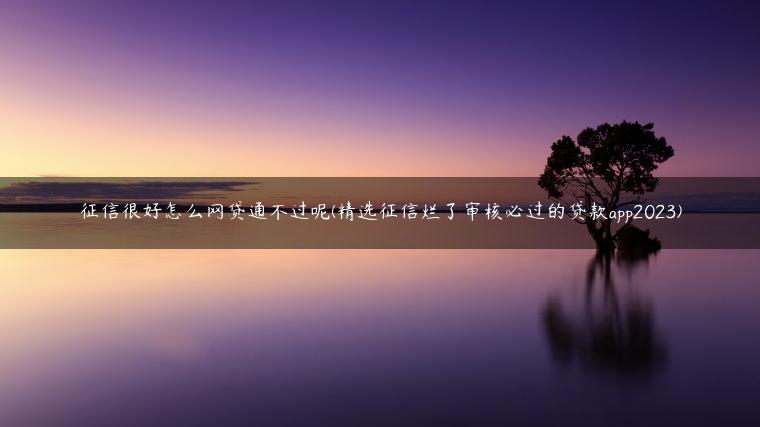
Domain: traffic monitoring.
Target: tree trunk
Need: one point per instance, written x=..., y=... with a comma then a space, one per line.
x=603, y=238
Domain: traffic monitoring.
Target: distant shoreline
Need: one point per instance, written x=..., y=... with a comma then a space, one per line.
x=182, y=208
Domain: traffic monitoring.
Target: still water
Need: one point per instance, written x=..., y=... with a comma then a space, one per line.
x=378, y=337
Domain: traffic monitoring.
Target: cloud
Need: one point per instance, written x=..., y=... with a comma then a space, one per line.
x=67, y=191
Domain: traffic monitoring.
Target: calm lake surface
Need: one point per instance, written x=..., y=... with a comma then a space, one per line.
x=378, y=337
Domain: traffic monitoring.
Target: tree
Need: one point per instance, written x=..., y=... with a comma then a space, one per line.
x=610, y=166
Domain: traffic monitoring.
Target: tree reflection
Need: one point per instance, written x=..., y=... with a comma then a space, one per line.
x=610, y=333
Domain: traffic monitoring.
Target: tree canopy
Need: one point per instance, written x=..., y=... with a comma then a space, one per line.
x=604, y=165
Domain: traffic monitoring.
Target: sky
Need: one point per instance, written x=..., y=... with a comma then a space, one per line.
x=191, y=88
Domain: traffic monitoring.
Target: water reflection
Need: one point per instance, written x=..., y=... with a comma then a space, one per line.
x=612, y=332
x=401, y=338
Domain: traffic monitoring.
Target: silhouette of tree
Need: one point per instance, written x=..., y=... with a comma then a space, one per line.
x=615, y=334
x=610, y=166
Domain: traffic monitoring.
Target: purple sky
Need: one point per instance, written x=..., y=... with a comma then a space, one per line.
x=423, y=88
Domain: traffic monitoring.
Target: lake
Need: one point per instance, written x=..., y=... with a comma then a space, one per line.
x=378, y=337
